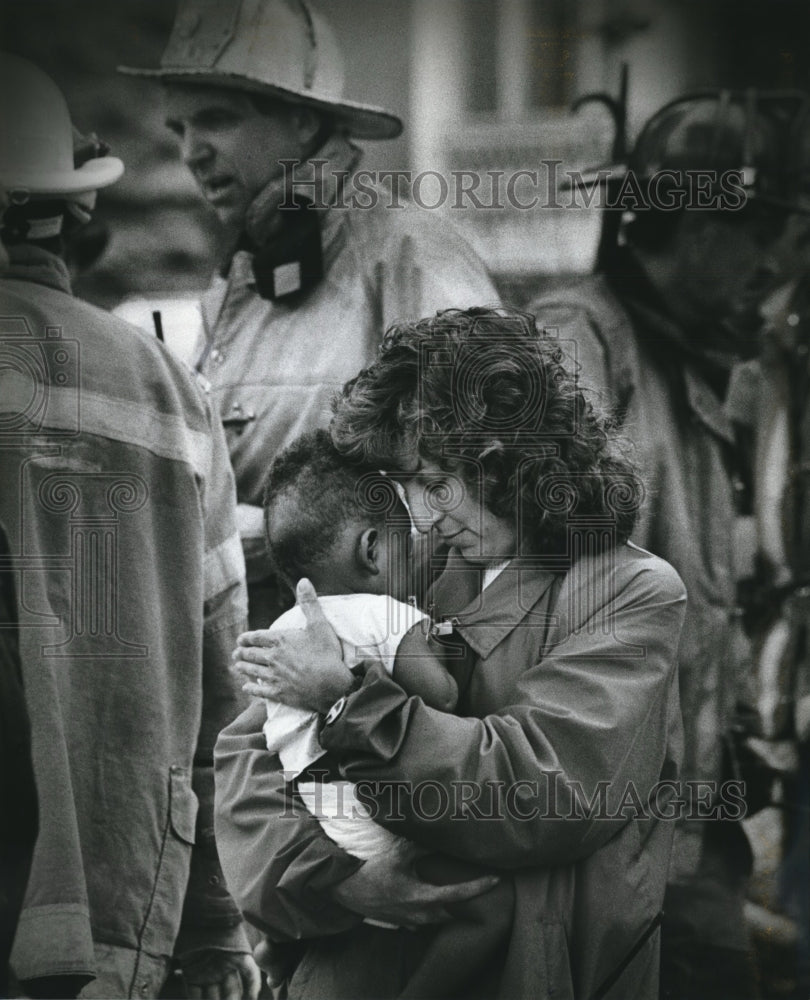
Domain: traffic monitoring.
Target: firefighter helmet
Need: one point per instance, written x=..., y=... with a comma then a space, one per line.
x=37, y=143
x=282, y=48
x=757, y=139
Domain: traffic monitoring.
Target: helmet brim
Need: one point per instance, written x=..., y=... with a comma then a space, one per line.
x=91, y=176
x=363, y=121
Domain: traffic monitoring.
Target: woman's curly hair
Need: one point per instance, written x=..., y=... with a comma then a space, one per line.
x=484, y=389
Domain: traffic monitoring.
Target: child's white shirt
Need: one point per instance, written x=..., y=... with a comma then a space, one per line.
x=369, y=626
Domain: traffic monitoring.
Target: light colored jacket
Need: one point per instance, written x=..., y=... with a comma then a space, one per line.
x=119, y=502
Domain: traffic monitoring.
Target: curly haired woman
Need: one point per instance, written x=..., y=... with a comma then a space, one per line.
x=558, y=770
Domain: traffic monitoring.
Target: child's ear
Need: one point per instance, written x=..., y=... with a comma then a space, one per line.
x=368, y=551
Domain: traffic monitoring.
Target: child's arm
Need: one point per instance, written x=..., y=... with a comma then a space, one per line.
x=419, y=671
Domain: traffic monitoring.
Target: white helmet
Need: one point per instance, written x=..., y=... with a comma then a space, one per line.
x=282, y=48
x=36, y=139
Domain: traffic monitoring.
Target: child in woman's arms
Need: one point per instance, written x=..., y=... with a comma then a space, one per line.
x=348, y=531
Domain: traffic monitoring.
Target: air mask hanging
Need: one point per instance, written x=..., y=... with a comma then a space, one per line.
x=291, y=262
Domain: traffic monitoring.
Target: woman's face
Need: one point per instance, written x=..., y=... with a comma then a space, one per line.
x=450, y=504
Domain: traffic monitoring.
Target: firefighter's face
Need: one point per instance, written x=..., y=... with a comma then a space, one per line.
x=231, y=147
x=725, y=265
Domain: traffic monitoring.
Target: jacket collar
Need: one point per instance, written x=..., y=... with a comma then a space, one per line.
x=30, y=263
x=484, y=618
x=263, y=220
x=700, y=397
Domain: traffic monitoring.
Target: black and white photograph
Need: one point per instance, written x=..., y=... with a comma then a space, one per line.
x=405, y=499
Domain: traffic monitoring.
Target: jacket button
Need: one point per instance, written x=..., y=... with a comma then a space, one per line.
x=214, y=879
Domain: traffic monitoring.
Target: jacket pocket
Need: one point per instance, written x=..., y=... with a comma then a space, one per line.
x=171, y=874
x=183, y=804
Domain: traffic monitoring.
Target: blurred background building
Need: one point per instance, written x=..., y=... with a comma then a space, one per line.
x=483, y=85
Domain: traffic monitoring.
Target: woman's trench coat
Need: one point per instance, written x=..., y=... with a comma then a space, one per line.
x=568, y=723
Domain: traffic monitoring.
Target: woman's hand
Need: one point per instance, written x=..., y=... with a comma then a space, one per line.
x=302, y=667
x=387, y=888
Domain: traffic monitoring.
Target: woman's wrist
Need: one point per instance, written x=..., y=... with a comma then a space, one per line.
x=335, y=687
x=335, y=709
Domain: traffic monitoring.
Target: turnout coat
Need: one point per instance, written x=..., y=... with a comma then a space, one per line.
x=119, y=503
x=693, y=463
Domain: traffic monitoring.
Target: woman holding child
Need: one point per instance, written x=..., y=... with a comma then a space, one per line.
x=548, y=788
